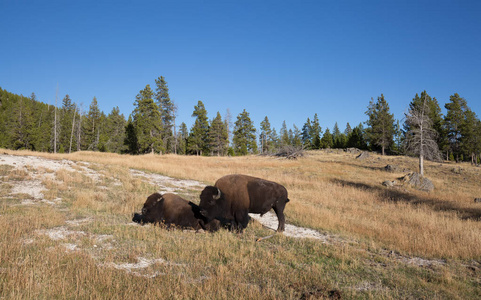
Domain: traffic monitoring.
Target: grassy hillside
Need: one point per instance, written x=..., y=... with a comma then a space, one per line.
x=75, y=238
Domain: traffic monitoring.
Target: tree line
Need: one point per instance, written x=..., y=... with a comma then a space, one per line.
x=26, y=123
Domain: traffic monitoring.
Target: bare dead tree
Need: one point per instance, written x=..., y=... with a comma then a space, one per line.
x=73, y=126
x=421, y=138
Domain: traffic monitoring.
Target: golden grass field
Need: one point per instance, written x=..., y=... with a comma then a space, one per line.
x=391, y=242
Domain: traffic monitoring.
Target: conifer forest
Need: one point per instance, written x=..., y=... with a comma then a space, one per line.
x=152, y=127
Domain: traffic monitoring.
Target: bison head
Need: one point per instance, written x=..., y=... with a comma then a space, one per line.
x=149, y=211
x=209, y=206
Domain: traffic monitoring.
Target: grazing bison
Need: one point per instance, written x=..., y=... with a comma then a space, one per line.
x=234, y=196
x=171, y=209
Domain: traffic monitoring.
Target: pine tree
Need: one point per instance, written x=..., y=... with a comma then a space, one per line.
x=167, y=111
x=327, y=141
x=147, y=122
x=296, y=140
x=197, y=142
x=306, y=134
x=244, y=135
x=284, y=135
x=265, y=136
x=182, y=137
x=315, y=133
x=356, y=138
x=453, y=122
x=67, y=113
x=469, y=138
x=91, y=123
x=115, y=131
x=348, y=130
x=218, y=136
x=380, y=131
x=130, y=141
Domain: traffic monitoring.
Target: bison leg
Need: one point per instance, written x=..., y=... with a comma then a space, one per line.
x=279, y=210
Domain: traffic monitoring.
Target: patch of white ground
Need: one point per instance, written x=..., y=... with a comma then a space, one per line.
x=39, y=163
x=166, y=184
x=270, y=221
x=70, y=239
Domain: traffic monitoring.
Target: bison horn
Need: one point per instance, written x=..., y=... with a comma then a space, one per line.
x=218, y=195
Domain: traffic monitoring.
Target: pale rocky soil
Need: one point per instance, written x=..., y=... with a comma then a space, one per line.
x=33, y=189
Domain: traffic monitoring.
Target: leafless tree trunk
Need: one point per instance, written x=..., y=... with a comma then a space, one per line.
x=421, y=138
x=55, y=124
x=71, y=134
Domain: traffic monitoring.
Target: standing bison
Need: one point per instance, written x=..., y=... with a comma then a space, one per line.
x=171, y=209
x=233, y=197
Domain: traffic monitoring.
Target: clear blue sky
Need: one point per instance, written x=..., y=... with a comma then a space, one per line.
x=284, y=59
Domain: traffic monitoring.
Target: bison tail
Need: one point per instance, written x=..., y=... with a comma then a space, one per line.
x=287, y=200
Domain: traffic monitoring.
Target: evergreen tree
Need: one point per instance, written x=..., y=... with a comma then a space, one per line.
x=306, y=134
x=182, y=137
x=67, y=113
x=20, y=120
x=218, y=136
x=91, y=126
x=315, y=133
x=296, y=139
x=130, y=141
x=469, y=138
x=284, y=135
x=453, y=122
x=380, y=131
x=244, y=135
x=147, y=122
x=167, y=111
x=327, y=141
x=348, y=130
x=115, y=131
x=197, y=142
x=356, y=138
x=340, y=140
x=265, y=137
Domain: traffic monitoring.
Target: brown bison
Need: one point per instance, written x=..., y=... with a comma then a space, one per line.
x=171, y=209
x=233, y=197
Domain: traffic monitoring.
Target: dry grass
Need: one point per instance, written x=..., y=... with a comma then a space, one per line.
x=330, y=192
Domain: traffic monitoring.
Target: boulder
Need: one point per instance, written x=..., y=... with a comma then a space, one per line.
x=417, y=181
x=363, y=155
x=389, y=183
x=477, y=200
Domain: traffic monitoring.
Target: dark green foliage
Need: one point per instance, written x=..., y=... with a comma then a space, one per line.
x=114, y=132
x=380, y=131
x=357, y=138
x=130, y=141
x=218, y=142
x=182, y=137
x=167, y=112
x=197, y=141
x=454, y=121
x=265, y=137
x=311, y=133
x=244, y=140
x=147, y=123
x=327, y=141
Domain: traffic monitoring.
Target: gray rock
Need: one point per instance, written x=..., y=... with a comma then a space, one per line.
x=388, y=183
x=419, y=182
x=363, y=155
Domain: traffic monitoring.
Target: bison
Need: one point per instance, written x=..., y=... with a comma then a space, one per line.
x=233, y=197
x=171, y=209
